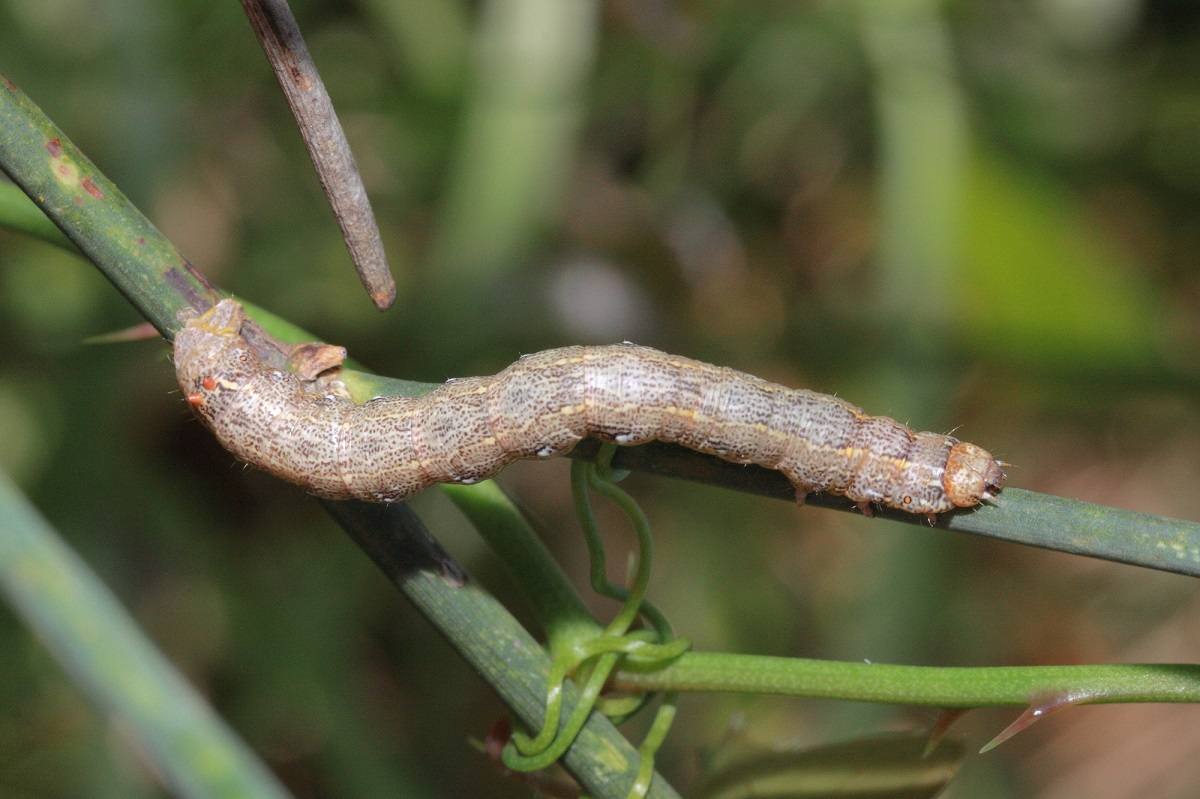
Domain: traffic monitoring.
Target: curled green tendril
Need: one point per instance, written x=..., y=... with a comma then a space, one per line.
x=594, y=659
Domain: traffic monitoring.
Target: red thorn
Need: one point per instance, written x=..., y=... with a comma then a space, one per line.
x=497, y=736
x=209, y=383
x=1039, y=709
x=195, y=400
x=942, y=726
x=138, y=332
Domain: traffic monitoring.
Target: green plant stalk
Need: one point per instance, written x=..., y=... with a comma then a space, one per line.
x=484, y=633
x=140, y=261
x=95, y=215
x=116, y=666
x=917, y=685
x=1017, y=515
x=559, y=610
x=527, y=754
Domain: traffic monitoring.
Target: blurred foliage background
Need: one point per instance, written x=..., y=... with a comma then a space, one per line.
x=971, y=214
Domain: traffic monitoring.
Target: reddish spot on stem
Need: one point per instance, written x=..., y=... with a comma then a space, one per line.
x=54, y=146
x=8, y=82
x=140, y=241
x=92, y=189
x=497, y=736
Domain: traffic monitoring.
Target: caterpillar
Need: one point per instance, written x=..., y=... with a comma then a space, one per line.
x=466, y=430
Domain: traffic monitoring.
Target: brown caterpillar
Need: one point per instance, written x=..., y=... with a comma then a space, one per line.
x=468, y=429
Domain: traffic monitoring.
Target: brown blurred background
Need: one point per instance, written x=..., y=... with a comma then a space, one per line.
x=978, y=215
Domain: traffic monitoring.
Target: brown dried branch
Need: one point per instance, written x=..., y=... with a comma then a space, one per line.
x=279, y=35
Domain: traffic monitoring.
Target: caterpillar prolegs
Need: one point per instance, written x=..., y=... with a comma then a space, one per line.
x=468, y=429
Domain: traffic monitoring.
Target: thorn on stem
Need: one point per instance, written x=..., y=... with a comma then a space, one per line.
x=1037, y=710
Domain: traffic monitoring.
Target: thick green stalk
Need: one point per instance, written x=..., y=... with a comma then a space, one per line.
x=484, y=633
x=113, y=662
x=95, y=215
x=559, y=610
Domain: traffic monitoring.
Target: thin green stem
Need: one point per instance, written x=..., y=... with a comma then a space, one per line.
x=120, y=670
x=636, y=593
x=915, y=685
x=486, y=635
x=598, y=655
x=1017, y=515
x=560, y=611
x=616, y=643
x=654, y=739
x=552, y=743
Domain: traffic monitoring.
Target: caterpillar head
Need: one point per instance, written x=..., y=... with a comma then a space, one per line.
x=972, y=475
x=211, y=357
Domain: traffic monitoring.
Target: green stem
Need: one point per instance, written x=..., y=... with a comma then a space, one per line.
x=95, y=215
x=1017, y=515
x=534, y=754
x=113, y=662
x=584, y=477
x=486, y=636
x=636, y=593
x=560, y=611
x=916, y=685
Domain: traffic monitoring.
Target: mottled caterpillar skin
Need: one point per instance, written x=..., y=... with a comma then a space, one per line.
x=468, y=429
